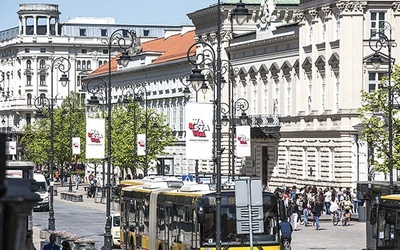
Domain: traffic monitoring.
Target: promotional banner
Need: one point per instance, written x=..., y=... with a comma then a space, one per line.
x=11, y=147
x=242, y=141
x=199, y=132
x=76, y=145
x=95, y=139
x=141, y=144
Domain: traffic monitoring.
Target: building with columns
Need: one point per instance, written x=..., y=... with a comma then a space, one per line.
x=301, y=64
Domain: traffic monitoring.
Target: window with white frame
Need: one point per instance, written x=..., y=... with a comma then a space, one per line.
x=323, y=90
x=377, y=19
x=323, y=29
x=309, y=95
x=181, y=116
x=310, y=31
x=42, y=64
x=289, y=97
x=337, y=91
x=42, y=79
x=337, y=26
x=374, y=79
x=78, y=64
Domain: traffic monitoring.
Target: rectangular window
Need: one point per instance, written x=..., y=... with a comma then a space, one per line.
x=377, y=20
x=125, y=33
x=82, y=32
x=105, y=51
x=42, y=80
x=26, y=50
x=28, y=80
x=374, y=79
x=104, y=32
x=84, y=51
x=42, y=50
x=146, y=32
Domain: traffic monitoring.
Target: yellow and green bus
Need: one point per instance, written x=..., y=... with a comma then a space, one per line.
x=172, y=215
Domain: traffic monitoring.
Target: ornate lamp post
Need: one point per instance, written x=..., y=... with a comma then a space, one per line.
x=209, y=55
x=378, y=41
x=118, y=37
x=63, y=65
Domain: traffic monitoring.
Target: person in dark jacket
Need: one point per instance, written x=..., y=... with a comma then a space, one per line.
x=286, y=230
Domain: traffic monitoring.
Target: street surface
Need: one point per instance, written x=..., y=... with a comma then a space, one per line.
x=87, y=220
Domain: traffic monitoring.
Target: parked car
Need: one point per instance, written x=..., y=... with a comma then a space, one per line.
x=42, y=190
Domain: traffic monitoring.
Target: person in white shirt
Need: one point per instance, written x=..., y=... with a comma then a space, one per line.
x=328, y=199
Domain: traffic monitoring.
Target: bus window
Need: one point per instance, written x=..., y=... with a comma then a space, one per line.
x=228, y=223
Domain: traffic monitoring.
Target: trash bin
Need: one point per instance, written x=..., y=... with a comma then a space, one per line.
x=361, y=214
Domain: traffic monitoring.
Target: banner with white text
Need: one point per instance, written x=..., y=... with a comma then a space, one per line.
x=199, y=132
x=242, y=141
x=95, y=139
x=76, y=145
x=141, y=144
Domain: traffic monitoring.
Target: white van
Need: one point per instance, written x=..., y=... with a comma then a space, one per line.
x=115, y=229
x=42, y=190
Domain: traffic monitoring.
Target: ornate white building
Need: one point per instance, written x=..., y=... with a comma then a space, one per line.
x=27, y=51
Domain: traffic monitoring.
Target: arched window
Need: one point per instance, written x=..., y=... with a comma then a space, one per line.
x=83, y=64
x=28, y=64
x=42, y=64
x=88, y=65
x=78, y=64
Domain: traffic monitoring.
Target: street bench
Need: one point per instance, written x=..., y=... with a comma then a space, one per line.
x=69, y=196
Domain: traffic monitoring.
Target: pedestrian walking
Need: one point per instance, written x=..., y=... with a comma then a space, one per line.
x=77, y=181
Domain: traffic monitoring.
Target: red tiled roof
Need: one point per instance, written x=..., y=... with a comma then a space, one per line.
x=172, y=48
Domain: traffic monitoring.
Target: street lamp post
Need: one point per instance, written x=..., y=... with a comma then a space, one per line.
x=41, y=102
x=118, y=37
x=378, y=41
x=137, y=92
x=209, y=55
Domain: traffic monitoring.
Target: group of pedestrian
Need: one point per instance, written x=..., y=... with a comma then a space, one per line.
x=312, y=202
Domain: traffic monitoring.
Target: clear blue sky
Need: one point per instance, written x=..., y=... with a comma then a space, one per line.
x=169, y=12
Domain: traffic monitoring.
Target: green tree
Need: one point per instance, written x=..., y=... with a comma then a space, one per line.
x=127, y=122
x=69, y=121
x=374, y=116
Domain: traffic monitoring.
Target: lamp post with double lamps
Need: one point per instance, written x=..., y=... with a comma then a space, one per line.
x=136, y=93
x=210, y=56
x=377, y=42
x=42, y=102
x=118, y=37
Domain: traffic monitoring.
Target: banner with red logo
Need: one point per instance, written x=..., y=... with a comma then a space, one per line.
x=95, y=138
x=141, y=144
x=11, y=147
x=76, y=145
x=199, y=131
x=242, y=141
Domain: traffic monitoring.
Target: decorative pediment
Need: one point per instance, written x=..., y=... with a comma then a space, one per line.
x=286, y=68
x=334, y=61
x=274, y=69
x=307, y=64
x=320, y=63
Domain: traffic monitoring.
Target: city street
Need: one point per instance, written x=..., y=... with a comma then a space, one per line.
x=87, y=219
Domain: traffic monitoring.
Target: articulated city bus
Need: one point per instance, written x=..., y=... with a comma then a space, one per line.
x=386, y=218
x=171, y=215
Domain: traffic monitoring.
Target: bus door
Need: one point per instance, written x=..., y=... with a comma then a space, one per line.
x=168, y=226
x=388, y=227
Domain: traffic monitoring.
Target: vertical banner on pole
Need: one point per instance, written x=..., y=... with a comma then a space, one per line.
x=76, y=145
x=141, y=144
x=242, y=141
x=199, y=137
x=95, y=141
x=11, y=147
